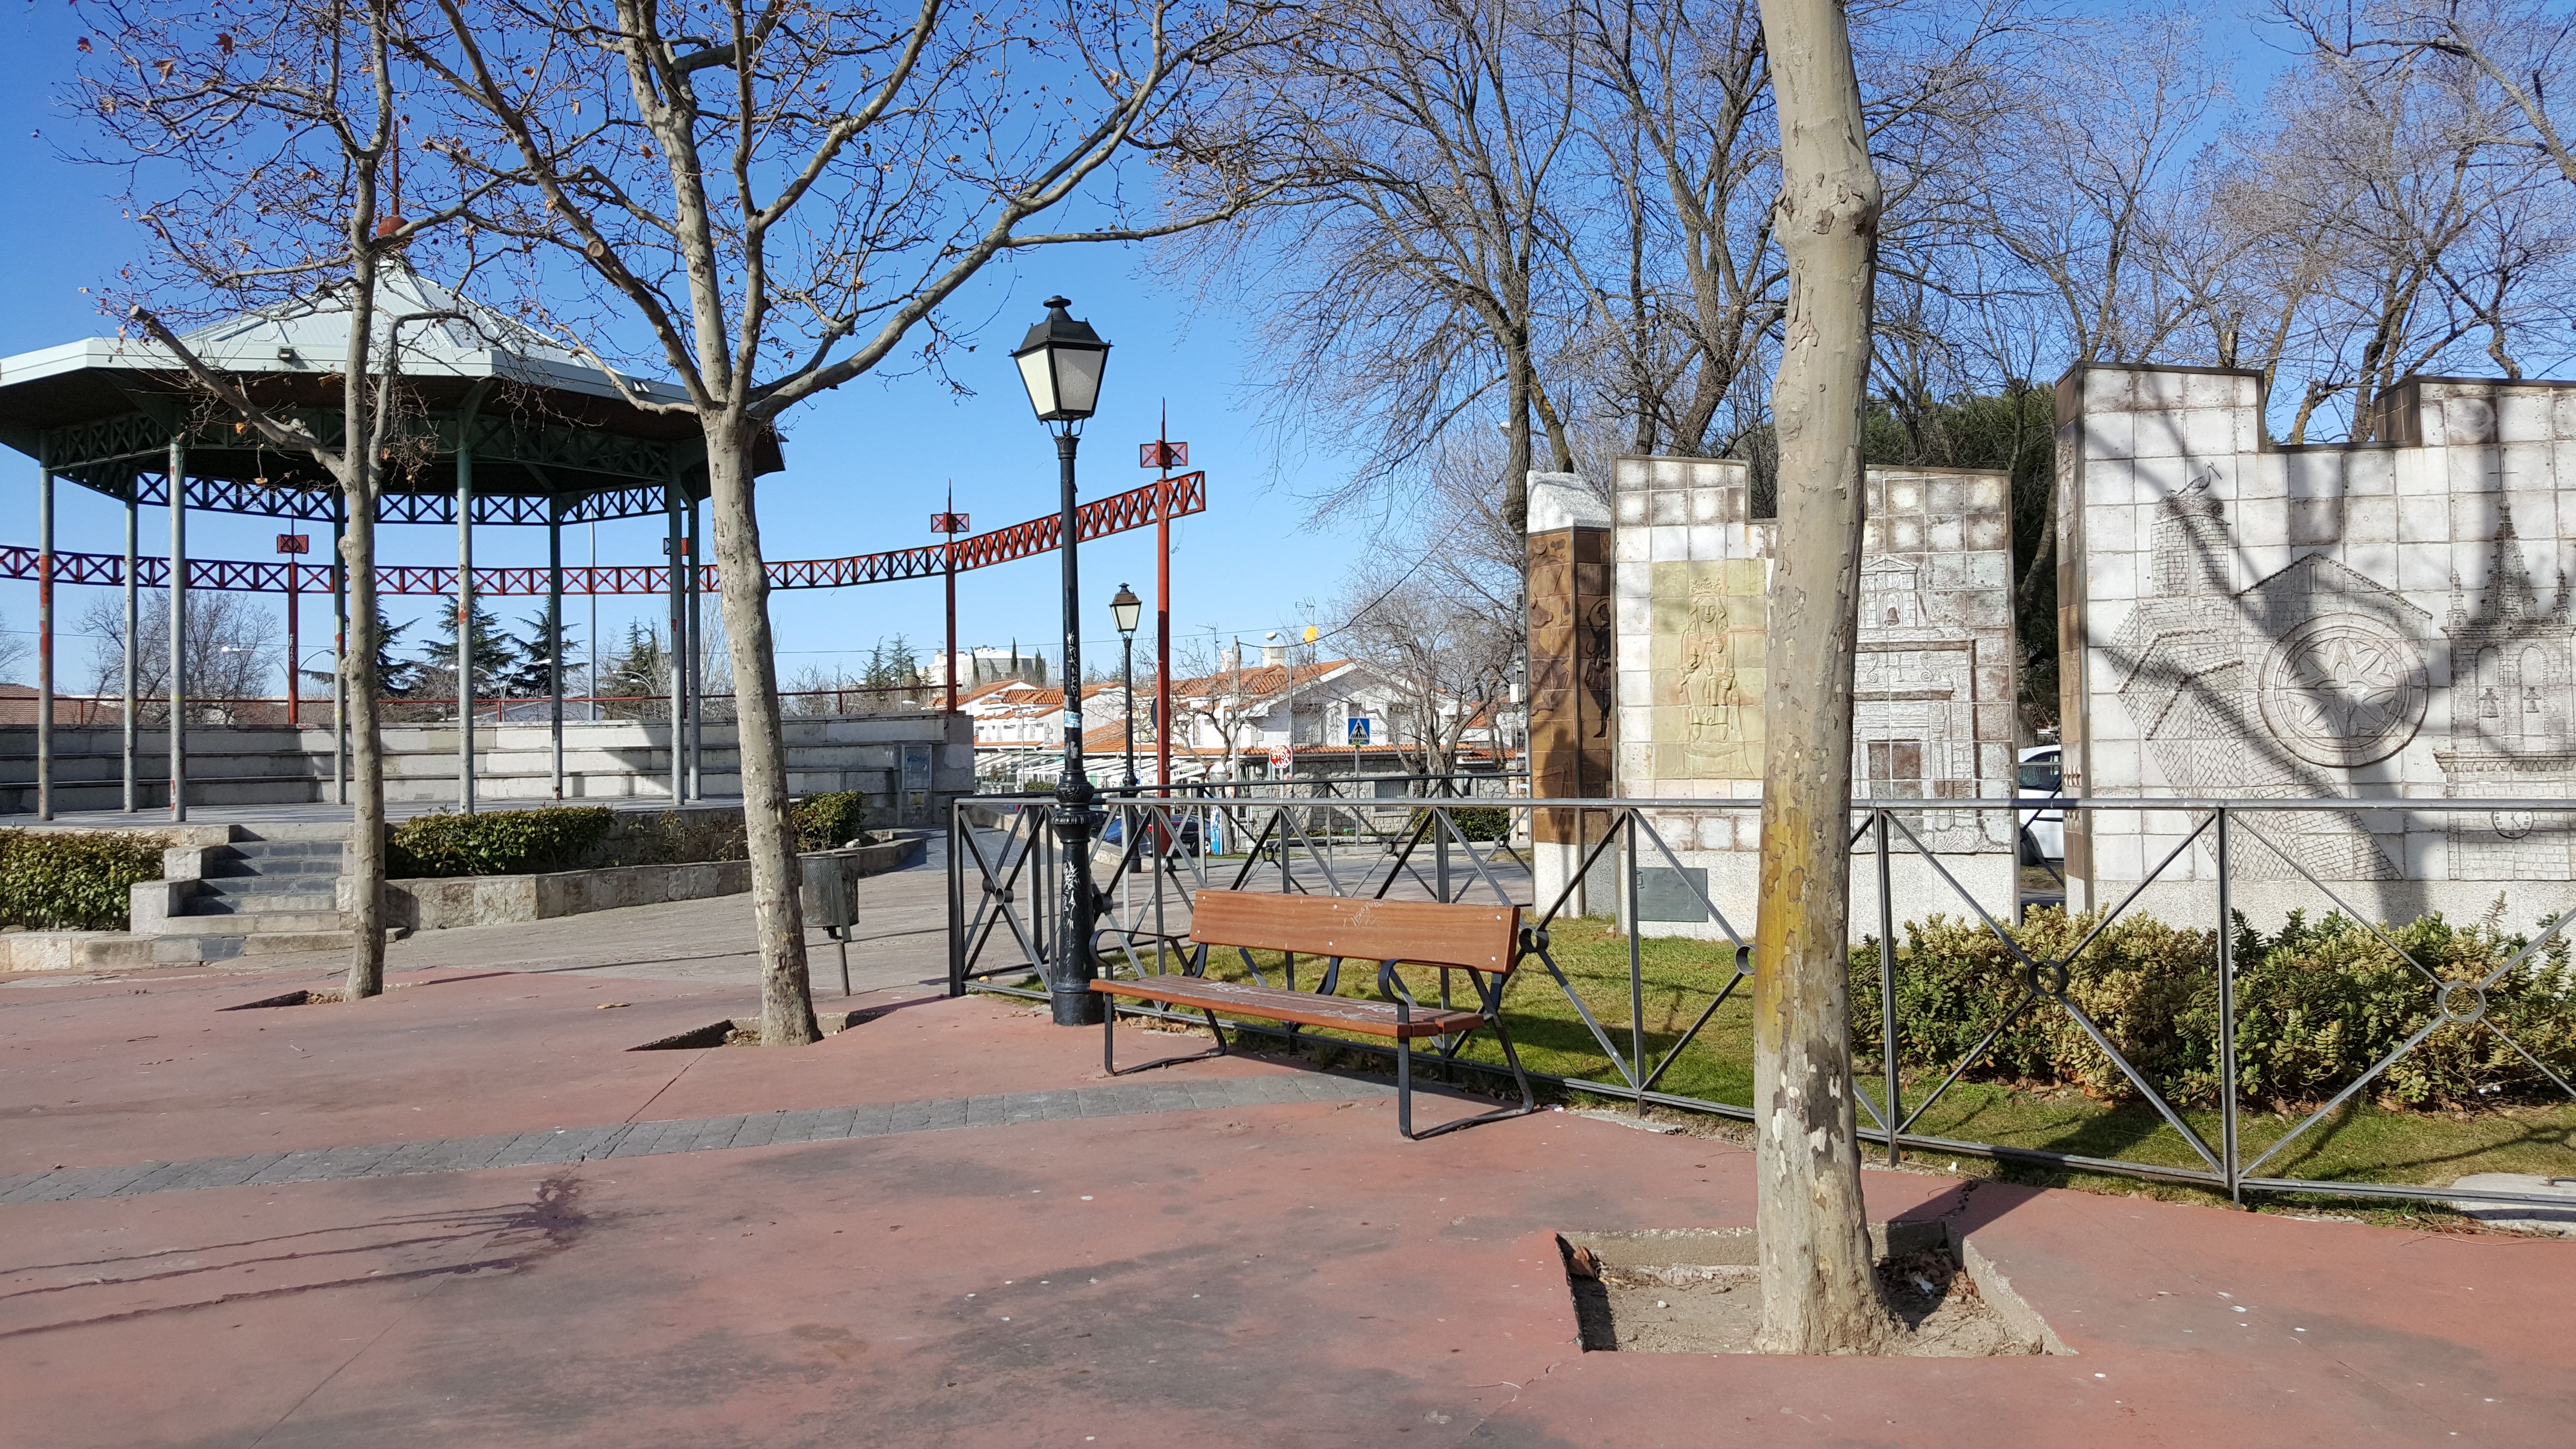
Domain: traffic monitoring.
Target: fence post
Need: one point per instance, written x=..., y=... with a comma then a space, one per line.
x=1887, y=985
x=2227, y=1154
x=956, y=899
x=1636, y=972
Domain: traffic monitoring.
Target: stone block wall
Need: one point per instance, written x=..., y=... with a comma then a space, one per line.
x=2389, y=619
x=1934, y=681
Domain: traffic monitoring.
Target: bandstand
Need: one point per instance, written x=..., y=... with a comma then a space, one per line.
x=498, y=426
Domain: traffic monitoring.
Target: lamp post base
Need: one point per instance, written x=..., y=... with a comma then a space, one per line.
x=1078, y=1007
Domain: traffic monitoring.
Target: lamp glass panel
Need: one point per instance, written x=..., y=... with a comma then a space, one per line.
x=1039, y=379
x=1077, y=371
x=1124, y=610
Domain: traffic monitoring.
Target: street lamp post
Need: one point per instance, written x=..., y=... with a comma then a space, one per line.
x=1060, y=364
x=1124, y=606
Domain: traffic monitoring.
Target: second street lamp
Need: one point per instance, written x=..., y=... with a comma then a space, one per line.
x=1124, y=606
x=1060, y=364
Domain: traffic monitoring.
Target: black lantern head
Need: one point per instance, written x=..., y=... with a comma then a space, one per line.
x=1060, y=364
x=1124, y=608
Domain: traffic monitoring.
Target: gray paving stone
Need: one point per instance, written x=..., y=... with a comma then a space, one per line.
x=987, y=1111
x=162, y=1175
x=234, y=1171
x=22, y=1187
x=287, y=1167
x=874, y=1120
x=756, y=1130
x=909, y=1117
x=530, y=1148
x=946, y=1114
x=714, y=1132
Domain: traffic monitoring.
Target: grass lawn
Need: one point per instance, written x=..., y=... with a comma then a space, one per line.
x=2362, y=1142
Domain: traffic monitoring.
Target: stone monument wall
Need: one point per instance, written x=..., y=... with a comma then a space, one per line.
x=1933, y=708
x=2389, y=619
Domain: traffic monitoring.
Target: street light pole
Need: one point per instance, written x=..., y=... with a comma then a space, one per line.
x=1124, y=607
x=1060, y=363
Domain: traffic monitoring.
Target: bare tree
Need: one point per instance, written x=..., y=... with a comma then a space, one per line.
x=1415, y=286
x=13, y=647
x=771, y=199
x=1444, y=636
x=2389, y=212
x=231, y=649
x=1819, y=1285
x=259, y=138
x=1214, y=693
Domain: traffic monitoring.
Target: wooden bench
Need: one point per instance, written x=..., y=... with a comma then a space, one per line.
x=1483, y=941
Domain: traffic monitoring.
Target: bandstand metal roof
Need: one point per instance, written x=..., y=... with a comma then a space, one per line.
x=550, y=433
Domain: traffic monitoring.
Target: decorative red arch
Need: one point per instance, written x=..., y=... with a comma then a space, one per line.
x=1175, y=497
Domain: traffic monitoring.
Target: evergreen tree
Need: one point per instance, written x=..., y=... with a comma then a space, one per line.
x=494, y=653
x=532, y=675
x=640, y=670
x=395, y=676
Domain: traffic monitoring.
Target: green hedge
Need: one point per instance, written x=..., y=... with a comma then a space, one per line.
x=53, y=880
x=502, y=842
x=1483, y=822
x=2318, y=1003
x=827, y=822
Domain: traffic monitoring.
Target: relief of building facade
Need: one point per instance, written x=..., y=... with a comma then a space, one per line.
x=2380, y=621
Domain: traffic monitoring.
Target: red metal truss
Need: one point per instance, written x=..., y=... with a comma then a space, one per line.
x=1174, y=497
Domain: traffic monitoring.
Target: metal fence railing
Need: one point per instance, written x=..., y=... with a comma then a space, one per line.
x=1623, y=1007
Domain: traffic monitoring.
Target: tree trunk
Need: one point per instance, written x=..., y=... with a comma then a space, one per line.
x=786, y=992
x=1819, y=1291
x=366, y=858
x=360, y=434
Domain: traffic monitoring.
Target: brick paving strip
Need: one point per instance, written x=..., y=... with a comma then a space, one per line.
x=696, y=1134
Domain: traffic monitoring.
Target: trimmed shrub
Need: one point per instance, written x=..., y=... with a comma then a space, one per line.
x=2318, y=1004
x=55, y=880
x=827, y=822
x=2329, y=1000
x=502, y=842
x=1483, y=822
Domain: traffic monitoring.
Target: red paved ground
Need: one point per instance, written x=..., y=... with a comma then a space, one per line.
x=1285, y=1275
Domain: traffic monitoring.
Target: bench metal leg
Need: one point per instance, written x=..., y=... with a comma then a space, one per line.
x=1404, y=1089
x=1109, y=1043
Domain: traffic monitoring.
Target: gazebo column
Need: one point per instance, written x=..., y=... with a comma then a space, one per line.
x=178, y=629
x=697, y=663
x=44, y=642
x=554, y=633
x=464, y=627
x=133, y=618
x=679, y=672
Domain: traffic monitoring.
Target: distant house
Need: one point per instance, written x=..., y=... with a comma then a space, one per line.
x=1269, y=720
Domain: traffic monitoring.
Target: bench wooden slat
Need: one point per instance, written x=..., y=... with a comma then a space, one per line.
x=1426, y=933
x=1306, y=1008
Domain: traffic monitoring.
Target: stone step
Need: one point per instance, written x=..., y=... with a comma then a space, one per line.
x=256, y=923
x=294, y=870
x=181, y=950
x=251, y=903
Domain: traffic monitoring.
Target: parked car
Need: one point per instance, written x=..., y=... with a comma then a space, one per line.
x=1170, y=835
x=2043, y=829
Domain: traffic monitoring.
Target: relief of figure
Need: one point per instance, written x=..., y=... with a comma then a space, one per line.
x=1708, y=672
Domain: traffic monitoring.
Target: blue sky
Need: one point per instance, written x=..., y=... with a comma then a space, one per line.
x=867, y=465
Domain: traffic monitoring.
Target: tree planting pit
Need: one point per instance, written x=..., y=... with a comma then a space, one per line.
x=1697, y=1290
x=318, y=997
x=745, y=1031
